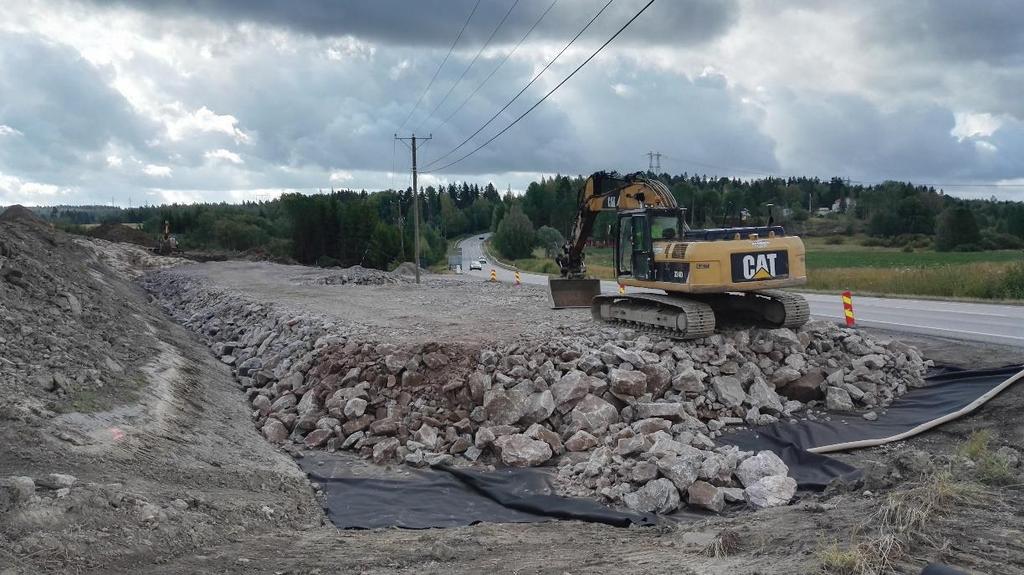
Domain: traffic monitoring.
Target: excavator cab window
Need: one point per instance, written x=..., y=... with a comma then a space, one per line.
x=624, y=248
x=641, y=247
x=665, y=227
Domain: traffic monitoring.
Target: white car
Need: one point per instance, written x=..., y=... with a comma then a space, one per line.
x=476, y=265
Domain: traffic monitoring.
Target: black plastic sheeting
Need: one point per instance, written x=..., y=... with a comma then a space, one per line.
x=945, y=392
x=450, y=497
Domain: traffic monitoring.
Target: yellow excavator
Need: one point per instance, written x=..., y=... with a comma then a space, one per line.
x=693, y=278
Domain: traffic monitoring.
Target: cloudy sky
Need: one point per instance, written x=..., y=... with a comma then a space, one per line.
x=153, y=101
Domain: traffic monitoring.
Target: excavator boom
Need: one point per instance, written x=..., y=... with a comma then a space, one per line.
x=602, y=192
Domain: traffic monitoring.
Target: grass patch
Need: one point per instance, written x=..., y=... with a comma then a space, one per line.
x=896, y=258
x=989, y=280
x=908, y=513
x=836, y=560
x=990, y=467
x=904, y=518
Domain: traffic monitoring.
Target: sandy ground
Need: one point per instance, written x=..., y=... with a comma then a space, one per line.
x=251, y=511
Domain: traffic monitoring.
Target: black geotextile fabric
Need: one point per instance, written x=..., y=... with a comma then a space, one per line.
x=450, y=497
x=947, y=391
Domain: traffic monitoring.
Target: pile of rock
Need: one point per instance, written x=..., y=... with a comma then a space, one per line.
x=55, y=296
x=355, y=275
x=625, y=416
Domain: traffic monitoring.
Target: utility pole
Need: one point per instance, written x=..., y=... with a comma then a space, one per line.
x=415, y=204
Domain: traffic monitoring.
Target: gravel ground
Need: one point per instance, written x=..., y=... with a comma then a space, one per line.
x=175, y=480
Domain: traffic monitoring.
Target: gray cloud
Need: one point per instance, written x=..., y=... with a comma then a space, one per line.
x=436, y=22
x=208, y=99
x=64, y=108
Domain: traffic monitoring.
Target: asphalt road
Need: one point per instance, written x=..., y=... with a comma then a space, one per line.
x=989, y=323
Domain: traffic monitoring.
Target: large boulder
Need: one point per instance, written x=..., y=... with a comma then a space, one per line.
x=770, y=491
x=662, y=410
x=274, y=431
x=763, y=396
x=658, y=496
x=689, y=380
x=569, y=389
x=581, y=441
x=729, y=391
x=806, y=388
x=520, y=450
x=658, y=378
x=764, y=464
x=681, y=470
x=539, y=407
x=838, y=399
x=627, y=383
x=703, y=494
x=594, y=414
x=504, y=406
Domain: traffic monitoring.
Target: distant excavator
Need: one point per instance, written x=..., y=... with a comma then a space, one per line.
x=168, y=244
x=696, y=278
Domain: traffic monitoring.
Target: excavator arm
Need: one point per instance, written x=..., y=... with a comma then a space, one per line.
x=607, y=192
x=602, y=192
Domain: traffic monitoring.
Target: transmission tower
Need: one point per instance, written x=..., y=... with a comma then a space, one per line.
x=653, y=162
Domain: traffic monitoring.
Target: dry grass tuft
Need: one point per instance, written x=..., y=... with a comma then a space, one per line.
x=725, y=544
x=909, y=512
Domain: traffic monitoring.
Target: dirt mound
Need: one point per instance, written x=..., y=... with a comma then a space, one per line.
x=407, y=269
x=121, y=233
x=18, y=213
x=355, y=275
x=52, y=291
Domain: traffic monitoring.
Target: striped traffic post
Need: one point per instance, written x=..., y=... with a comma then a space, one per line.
x=494, y=275
x=848, y=308
x=518, y=280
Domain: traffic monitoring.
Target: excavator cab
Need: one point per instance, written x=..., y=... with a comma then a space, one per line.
x=642, y=233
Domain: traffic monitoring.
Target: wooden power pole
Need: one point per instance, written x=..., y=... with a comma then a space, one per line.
x=415, y=203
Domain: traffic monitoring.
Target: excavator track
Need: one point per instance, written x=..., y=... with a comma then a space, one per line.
x=665, y=315
x=695, y=316
x=776, y=308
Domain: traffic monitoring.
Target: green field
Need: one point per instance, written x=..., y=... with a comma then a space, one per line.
x=874, y=270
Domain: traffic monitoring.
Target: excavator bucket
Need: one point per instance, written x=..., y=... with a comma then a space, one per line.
x=573, y=292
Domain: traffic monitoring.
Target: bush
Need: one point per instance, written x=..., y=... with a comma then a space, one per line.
x=515, y=236
x=550, y=239
x=991, y=240
x=835, y=240
x=874, y=242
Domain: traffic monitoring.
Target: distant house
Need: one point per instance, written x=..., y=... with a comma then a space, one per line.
x=825, y=211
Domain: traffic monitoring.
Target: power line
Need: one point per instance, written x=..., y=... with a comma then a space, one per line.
x=500, y=64
x=552, y=91
x=528, y=84
x=473, y=61
x=448, y=55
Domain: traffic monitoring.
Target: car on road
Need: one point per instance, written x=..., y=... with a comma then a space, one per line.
x=476, y=265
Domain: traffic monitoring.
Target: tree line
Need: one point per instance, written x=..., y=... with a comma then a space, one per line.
x=345, y=227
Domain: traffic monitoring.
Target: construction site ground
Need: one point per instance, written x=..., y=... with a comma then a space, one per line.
x=187, y=436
